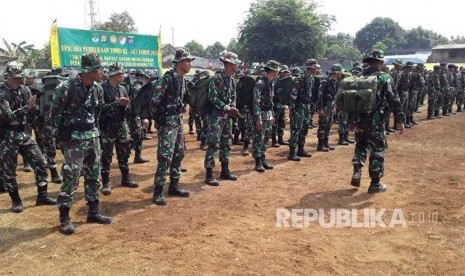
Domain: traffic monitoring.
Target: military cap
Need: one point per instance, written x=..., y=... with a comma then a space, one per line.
x=238, y=73
x=436, y=67
x=443, y=64
x=144, y=73
x=115, y=69
x=58, y=71
x=90, y=62
x=336, y=68
x=182, y=54
x=462, y=69
x=272, y=65
x=248, y=72
x=204, y=74
x=296, y=71
x=357, y=69
x=30, y=73
x=409, y=63
x=376, y=54
x=230, y=57
x=284, y=68
x=451, y=66
x=397, y=62
x=13, y=69
x=311, y=63
x=420, y=65
x=355, y=64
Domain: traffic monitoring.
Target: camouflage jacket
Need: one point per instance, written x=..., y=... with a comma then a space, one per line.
x=327, y=92
x=461, y=82
x=404, y=82
x=76, y=108
x=302, y=91
x=434, y=84
x=263, y=100
x=221, y=93
x=13, y=107
x=395, y=75
x=112, y=112
x=444, y=82
x=417, y=81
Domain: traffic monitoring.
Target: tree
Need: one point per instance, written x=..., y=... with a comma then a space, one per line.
x=419, y=38
x=381, y=29
x=380, y=45
x=213, y=51
x=195, y=48
x=118, y=22
x=286, y=30
x=13, y=51
x=45, y=58
x=341, y=47
x=234, y=46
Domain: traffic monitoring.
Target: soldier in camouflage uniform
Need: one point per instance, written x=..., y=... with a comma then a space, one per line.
x=434, y=88
x=452, y=78
x=417, y=84
x=343, y=117
x=167, y=107
x=17, y=105
x=139, y=116
x=279, y=109
x=113, y=128
x=369, y=127
x=244, y=103
x=444, y=95
x=326, y=106
x=221, y=108
x=299, y=111
x=461, y=90
x=74, y=113
x=263, y=116
x=403, y=89
x=197, y=103
x=192, y=118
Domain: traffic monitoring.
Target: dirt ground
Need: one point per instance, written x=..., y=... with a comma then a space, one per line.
x=231, y=229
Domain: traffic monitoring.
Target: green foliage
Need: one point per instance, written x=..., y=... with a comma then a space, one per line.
x=341, y=47
x=213, y=51
x=419, y=38
x=286, y=30
x=380, y=46
x=195, y=48
x=380, y=29
x=118, y=22
x=13, y=51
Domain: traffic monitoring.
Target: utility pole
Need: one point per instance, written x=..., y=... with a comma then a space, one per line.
x=92, y=14
x=172, y=36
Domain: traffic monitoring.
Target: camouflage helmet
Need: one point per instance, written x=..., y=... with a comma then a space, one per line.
x=272, y=65
x=230, y=57
x=13, y=69
x=420, y=65
x=397, y=62
x=182, y=54
x=451, y=66
x=296, y=71
x=336, y=68
x=204, y=74
x=284, y=69
x=30, y=73
x=443, y=64
x=357, y=69
x=115, y=69
x=311, y=63
x=376, y=54
x=58, y=71
x=409, y=63
x=90, y=62
x=238, y=73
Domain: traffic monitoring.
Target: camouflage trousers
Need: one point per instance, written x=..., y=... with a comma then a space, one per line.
x=412, y=102
x=370, y=139
x=136, y=132
x=116, y=137
x=300, y=122
x=170, y=150
x=80, y=155
x=343, y=122
x=440, y=101
x=46, y=142
x=218, y=138
x=198, y=119
x=404, y=100
x=446, y=101
x=460, y=99
x=13, y=144
x=279, y=121
x=432, y=103
x=261, y=139
x=453, y=96
x=325, y=122
x=245, y=125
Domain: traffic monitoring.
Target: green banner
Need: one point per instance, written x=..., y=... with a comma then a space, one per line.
x=129, y=50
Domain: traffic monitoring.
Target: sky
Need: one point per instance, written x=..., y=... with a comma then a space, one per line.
x=208, y=21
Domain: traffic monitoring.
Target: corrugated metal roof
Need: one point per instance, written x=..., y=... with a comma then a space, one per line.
x=449, y=46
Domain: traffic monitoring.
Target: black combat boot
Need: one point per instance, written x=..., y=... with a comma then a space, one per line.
x=326, y=143
x=236, y=140
x=321, y=146
x=302, y=153
x=259, y=165
x=158, y=197
x=199, y=138
x=245, y=149
x=191, y=129
x=203, y=144
x=93, y=215
x=106, y=185
x=225, y=173
x=43, y=198
x=407, y=122
x=27, y=167
x=356, y=177
x=292, y=155
x=66, y=227
x=209, y=179
x=138, y=159
x=16, y=203
x=274, y=142
x=281, y=141
x=126, y=180
x=265, y=163
x=413, y=121
x=175, y=190
x=342, y=141
x=346, y=138
x=56, y=178
x=376, y=187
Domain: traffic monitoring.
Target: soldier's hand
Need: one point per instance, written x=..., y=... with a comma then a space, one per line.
x=31, y=103
x=259, y=126
x=123, y=101
x=146, y=123
x=400, y=128
x=234, y=112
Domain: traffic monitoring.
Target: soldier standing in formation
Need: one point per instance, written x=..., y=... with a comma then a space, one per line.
x=17, y=106
x=279, y=108
x=113, y=128
x=167, y=108
x=221, y=108
x=74, y=113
